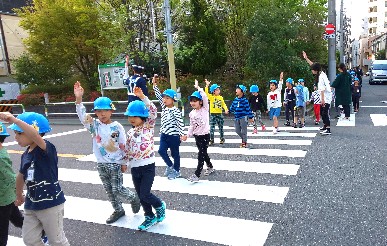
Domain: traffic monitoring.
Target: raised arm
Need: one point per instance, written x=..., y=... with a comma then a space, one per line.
x=306, y=58
x=157, y=91
x=86, y=119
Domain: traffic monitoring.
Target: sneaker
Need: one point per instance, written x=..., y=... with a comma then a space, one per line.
x=322, y=128
x=287, y=123
x=294, y=125
x=148, y=223
x=209, y=171
x=255, y=131
x=168, y=170
x=160, y=212
x=136, y=205
x=302, y=125
x=275, y=130
x=243, y=145
x=263, y=128
x=211, y=142
x=222, y=141
x=316, y=123
x=44, y=238
x=326, y=132
x=115, y=216
x=193, y=178
x=174, y=174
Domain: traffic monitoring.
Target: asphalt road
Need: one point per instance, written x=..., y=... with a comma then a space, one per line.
x=337, y=197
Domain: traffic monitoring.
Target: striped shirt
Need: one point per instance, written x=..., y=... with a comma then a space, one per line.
x=241, y=108
x=316, y=97
x=171, y=120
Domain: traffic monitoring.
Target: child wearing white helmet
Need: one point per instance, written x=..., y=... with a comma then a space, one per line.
x=44, y=201
x=139, y=150
x=199, y=128
x=171, y=130
x=217, y=105
x=109, y=141
x=274, y=101
x=257, y=103
x=241, y=108
x=9, y=212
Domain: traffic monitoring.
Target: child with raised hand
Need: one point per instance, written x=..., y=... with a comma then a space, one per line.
x=274, y=101
x=242, y=112
x=171, y=130
x=140, y=152
x=216, y=105
x=9, y=212
x=44, y=201
x=199, y=129
x=109, y=149
x=256, y=104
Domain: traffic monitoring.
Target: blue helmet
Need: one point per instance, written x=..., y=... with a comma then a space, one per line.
x=3, y=130
x=103, y=103
x=137, y=108
x=289, y=80
x=214, y=87
x=242, y=87
x=197, y=95
x=38, y=121
x=254, y=89
x=301, y=80
x=170, y=93
x=356, y=79
x=273, y=81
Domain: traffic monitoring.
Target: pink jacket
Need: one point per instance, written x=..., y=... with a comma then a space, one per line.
x=200, y=119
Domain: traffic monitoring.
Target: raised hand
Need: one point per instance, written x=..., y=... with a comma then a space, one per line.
x=207, y=82
x=7, y=117
x=281, y=76
x=196, y=83
x=304, y=55
x=78, y=90
x=138, y=92
x=155, y=79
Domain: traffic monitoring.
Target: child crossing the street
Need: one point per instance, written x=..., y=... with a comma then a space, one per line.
x=140, y=152
x=289, y=100
x=216, y=105
x=199, y=129
x=109, y=149
x=299, y=108
x=171, y=130
x=315, y=99
x=256, y=104
x=241, y=108
x=44, y=201
x=356, y=93
x=274, y=101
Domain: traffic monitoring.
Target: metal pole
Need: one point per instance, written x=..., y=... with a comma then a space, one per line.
x=342, y=32
x=171, y=57
x=332, y=42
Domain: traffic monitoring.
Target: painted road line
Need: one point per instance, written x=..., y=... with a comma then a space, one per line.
x=10, y=151
x=51, y=136
x=344, y=122
x=261, y=141
x=270, y=134
x=269, y=128
x=245, y=151
x=262, y=193
x=229, y=231
x=15, y=241
x=373, y=106
x=225, y=165
x=379, y=119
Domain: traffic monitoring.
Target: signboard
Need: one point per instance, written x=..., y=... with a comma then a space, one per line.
x=111, y=76
x=330, y=29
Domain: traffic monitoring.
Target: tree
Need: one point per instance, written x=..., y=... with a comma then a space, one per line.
x=381, y=55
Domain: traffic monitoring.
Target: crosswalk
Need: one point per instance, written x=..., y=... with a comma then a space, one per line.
x=287, y=148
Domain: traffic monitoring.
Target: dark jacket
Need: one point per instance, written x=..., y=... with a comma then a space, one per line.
x=342, y=85
x=257, y=102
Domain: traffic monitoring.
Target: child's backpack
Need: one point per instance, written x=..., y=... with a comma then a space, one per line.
x=300, y=100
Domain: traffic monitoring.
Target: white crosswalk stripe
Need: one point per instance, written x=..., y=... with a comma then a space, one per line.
x=188, y=225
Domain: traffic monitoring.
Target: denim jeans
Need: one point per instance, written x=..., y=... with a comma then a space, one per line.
x=170, y=142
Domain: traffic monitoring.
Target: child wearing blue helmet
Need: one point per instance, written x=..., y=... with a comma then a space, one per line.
x=274, y=101
x=171, y=130
x=44, y=201
x=9, y=212
x=139, y=150
x=109, y=141
x=217, y=105
x=242, y=112
x=257, y=103
x=289, y=100
x=199, y=128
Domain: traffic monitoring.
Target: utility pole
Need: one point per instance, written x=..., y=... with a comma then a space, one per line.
x=171, y=57
x=342, y=32
x=332, y=42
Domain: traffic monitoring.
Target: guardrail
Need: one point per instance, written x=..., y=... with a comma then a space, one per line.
x=47, y=113
x=13, y=104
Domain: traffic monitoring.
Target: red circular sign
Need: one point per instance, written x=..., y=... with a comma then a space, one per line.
x=330, y=29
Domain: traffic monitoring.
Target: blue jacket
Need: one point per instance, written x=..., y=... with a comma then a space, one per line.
x=241, y=108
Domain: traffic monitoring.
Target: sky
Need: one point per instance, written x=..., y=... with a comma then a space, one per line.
x=356, y=10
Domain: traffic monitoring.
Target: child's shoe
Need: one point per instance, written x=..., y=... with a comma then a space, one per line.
x=222, y=141
x=136, y=205
x=211, y=142
x=316, y=123
x=209, y=171
x=174, y=174
x=115, y=216
x=148, y=223
x=168, y=170
x=275, y=130
x=160, y=212
x=263, y=128
x=255, y=131
x=327, y=131
x=193, y=178
x=302, y=125
x=287, y=123
x=294, y=125
x=243, y=145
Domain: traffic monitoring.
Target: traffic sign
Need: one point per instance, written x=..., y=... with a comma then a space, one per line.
x=330, y=29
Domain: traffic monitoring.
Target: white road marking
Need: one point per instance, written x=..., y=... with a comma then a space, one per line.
x=379, y=119
x=350, y=122
x=270, y=128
